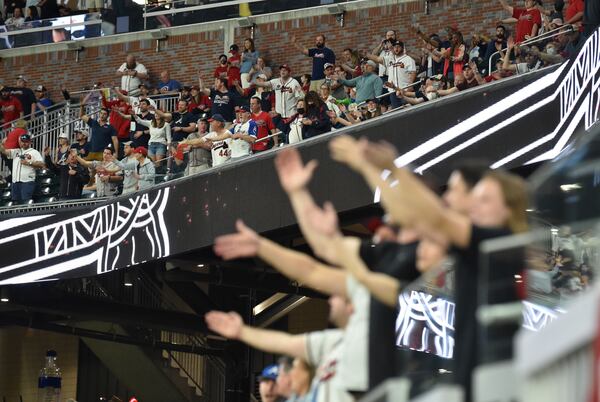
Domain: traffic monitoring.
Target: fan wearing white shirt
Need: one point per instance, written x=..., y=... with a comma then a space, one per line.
x=401, y=70
x=221, y=140
x=243, y=134
x=25, y=162
x=132, y=73
x=287, y=91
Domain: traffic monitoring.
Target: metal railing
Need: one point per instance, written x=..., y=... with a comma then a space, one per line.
x=537, y=39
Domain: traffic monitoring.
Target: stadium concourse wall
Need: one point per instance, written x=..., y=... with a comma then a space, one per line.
x=193, y=48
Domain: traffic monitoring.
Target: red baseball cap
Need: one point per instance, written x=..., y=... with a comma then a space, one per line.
x=141, y=150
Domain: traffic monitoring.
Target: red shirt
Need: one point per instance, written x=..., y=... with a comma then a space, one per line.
x=265, y=125
x=11, y=109
x=120, y=124
x=575, y=6
x=204, y=101
x=526, y=20
x=220, y=70
x=12, y=138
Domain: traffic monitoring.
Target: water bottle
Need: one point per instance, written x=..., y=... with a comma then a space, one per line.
x=49, y=382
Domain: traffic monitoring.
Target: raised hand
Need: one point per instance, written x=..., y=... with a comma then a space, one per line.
x=381, y=154
x=323, y=220
x=293, y=174
x=348, y=150
x=243, y=244
x=225, y=324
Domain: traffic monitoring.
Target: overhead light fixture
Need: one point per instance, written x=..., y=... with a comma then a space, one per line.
x=4, y=295
x=200, y=265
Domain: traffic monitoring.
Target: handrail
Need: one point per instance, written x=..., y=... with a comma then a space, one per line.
x=175, y=10
x=536, y=39
x=419, y=82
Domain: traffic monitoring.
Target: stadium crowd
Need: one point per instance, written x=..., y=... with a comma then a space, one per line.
x=247, y=108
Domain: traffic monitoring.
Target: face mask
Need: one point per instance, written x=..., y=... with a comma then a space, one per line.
x=300, y=110
x=551, y=51
x=431, y=95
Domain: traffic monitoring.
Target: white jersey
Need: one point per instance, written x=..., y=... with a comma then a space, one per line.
x=399, y=69
x=239, y=147
x=131, y=83
x=220, y=151
x=287, y=94
x=24, y=172
x=385, y=54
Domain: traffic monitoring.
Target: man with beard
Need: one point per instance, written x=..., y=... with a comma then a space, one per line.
x=495, y=45
x=25, y=162
x=132, y=73
x=81, y=144
x=320, y=55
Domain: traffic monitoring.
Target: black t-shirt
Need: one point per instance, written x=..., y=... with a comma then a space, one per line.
x=467, y=273
x=223, y=104
x=181, y=120
x=141, y=141
x=591, y=16
x=398, y=261
x=101, y=135
x=82, y=150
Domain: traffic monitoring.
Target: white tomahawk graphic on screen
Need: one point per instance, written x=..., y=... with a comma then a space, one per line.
x=103, y=231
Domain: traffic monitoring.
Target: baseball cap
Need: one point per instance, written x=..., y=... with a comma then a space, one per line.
x=263, y=76
x=25, y=137
x=143, y=85
x=234, y=48
x=269, y=373
x=141, y=150
x=40, y=88
x=82, y=132
x=22, y=77
x=557, y=21
x=286, y=67
x=217, y=117
x=63, y=135
x=397, y=43
x=327, y=65
x=128, y=143
x=371, y=63
x=244, y=108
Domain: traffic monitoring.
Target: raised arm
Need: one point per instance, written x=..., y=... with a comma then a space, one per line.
x=205, y=90
x=294, y=176
x=410, y=203
x=505, y=6
x=295, y=265
x=301, y=48
x=375, y=58
x=231, y=326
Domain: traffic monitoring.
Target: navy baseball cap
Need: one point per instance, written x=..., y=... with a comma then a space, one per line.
x=25, y=138
x=244, y=108
x=269, y=373
x=217, y=117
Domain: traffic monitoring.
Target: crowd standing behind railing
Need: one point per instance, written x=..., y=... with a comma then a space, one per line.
x=248, y=109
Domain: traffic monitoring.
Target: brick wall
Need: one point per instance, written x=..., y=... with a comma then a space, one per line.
x=185, y=55
x=22, y=353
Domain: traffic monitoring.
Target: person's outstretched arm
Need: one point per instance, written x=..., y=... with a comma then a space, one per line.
x=295, y=265
x=231, y=326
x=294, y=177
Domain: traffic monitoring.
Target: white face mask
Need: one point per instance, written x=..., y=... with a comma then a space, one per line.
x=551, y=50
x=431, y=95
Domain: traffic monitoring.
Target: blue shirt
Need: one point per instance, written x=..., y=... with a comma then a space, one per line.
x=248, y=60
x=320, y=57
x=170, y=85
